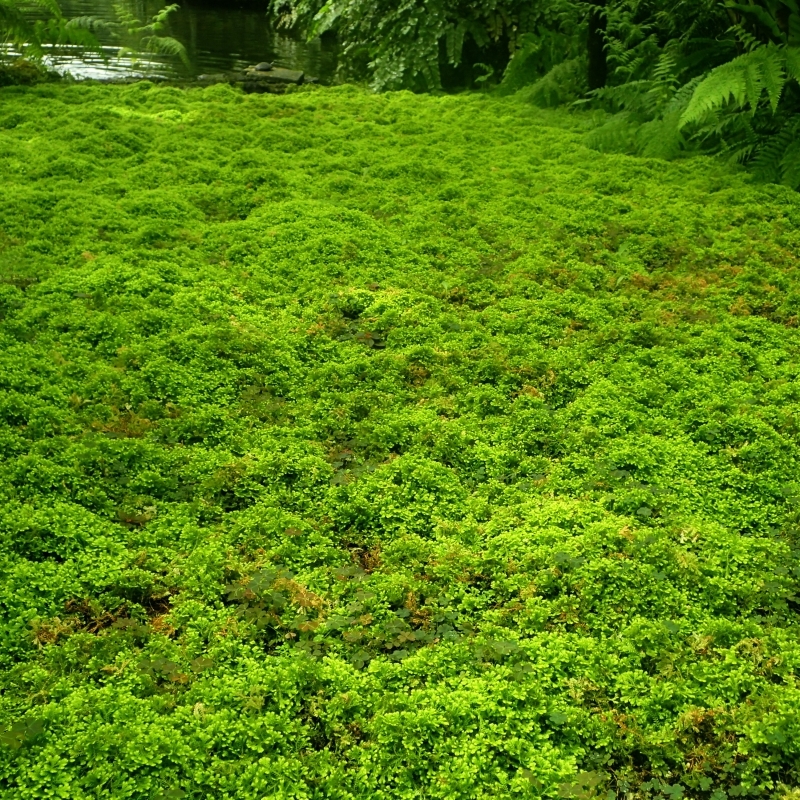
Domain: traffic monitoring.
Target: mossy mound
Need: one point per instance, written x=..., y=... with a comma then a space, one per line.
x=389, y=446
x=20, y=72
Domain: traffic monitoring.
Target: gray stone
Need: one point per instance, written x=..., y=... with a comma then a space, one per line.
x=275, y=75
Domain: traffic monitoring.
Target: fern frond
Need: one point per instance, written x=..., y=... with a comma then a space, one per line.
x=684, y=95
x=792, y=56
x=790, y=164
x=773, y=79
x=537, y=54
x=161, y=19
x=92, y=24
x=661, y=138
x=146, y=37
x=760, y=15
x=767, y=164
x=455, y=42
x=794, y=29
x=627, y=96
x=562, y=84
x=522, y=70
x=126, y=18
x=60, y=31
x=478, y=33
x=166, y=46
x=17, y=29
x=742, y=81
x=666, y=69
x=745, y=38
x=51, y=7
x=617, y=135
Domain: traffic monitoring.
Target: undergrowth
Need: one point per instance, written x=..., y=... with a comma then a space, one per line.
x=390, y=446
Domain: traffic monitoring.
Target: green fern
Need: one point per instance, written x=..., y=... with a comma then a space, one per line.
x=637, y=129
x=745, y=109
x=542, y=64
x=147, y=37
x=778, y=159
x=662, y=137
x=745, y=38
x=167, y=46
x=743, y=82
x=792, y=62
x=564, y=83
x=790, y=162
x=90, y=24
x=616, y=135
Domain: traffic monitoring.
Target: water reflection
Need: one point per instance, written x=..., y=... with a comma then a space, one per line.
x=108, y=64
x=217, y=38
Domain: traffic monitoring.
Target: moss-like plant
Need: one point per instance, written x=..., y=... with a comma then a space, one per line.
x=390, y=446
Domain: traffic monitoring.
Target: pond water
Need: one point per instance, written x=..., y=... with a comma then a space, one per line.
x=218, y=38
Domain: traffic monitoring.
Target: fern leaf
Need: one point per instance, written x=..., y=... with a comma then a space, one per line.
x=792, y=61
x=92, y=24
x=773, y=78
x=760, y=15
x=753, y=76
x=746, y=38
x=455, y=43
x=166, y=46
x=661, y=138
x=523, y=67
x=478, y=33
x=563, y=83
x=742, y=80
x=767, y=163
x=666, y=69
x=790, y=165
x=161, y=19
x=721, y=85
x=794, y=29
x=50, y=6
x=126, y=18
x=617, y=135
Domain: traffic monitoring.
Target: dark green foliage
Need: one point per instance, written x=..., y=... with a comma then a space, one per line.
x=725, y=82
x=389, y=446
x=21, y=72
x=408, y=44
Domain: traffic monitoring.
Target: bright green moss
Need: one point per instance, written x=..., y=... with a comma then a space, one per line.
x=389, y=446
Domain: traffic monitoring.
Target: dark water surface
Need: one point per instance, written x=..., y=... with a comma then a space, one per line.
x=219, y=37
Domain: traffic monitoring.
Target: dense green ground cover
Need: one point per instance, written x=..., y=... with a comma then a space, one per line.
x=389, y=446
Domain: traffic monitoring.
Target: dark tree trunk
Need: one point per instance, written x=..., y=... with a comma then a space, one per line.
x=598, y=65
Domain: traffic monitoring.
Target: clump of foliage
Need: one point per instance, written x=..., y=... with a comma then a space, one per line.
x=727, y=81
x=390, y=446
x=21, y=72
x=408, y=44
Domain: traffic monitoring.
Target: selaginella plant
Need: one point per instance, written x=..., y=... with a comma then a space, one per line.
x=387, y=446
